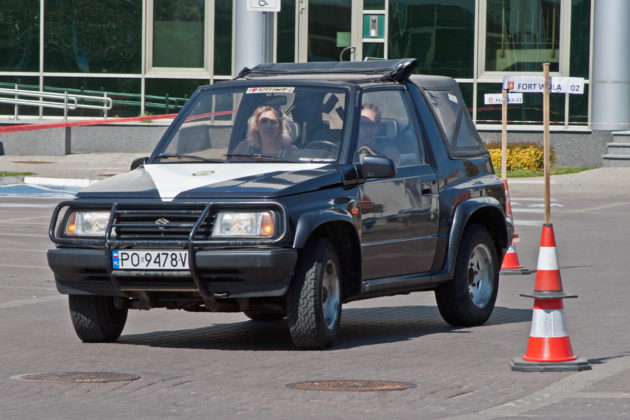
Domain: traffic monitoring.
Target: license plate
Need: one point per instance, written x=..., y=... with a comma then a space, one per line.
x=149, y=259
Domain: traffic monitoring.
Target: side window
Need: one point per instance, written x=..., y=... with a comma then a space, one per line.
x=462, y=139
x=386, y=128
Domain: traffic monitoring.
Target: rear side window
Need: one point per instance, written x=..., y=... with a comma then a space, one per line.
x=461, y=136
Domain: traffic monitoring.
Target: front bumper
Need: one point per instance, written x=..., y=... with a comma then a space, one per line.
x=243, y=273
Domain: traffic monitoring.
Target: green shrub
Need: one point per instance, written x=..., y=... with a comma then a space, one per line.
x=528, y=156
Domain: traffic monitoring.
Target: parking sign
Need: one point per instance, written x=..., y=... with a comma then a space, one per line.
x=263, y=5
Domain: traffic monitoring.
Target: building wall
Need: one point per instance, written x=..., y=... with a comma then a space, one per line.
x=150, y=55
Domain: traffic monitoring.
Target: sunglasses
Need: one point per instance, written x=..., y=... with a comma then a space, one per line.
x=268, y=121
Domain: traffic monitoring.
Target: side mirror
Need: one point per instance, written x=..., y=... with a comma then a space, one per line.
x=377, y=167
x=138, y=162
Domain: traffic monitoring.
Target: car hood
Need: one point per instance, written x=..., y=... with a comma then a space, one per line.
x=226, y=180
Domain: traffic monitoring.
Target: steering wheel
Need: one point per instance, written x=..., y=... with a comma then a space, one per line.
x=322, y=144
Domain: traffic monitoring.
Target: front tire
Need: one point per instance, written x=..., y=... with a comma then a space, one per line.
x=314, y=298
x=95, y=318
x=469, y=298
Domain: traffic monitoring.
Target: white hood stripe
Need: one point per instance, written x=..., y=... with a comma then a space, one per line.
x=172, y=180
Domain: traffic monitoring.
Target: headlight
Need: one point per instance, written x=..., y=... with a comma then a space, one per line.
x=245, y=224
x=87, y=223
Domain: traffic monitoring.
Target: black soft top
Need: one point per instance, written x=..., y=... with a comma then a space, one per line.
x=384, y=70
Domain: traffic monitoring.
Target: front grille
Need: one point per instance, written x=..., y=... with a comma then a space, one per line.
x=160, y=222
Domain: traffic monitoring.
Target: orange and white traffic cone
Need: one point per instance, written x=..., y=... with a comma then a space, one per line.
x=549, y=348
x=511, y=265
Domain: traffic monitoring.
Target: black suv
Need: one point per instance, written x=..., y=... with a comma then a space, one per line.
x=286, y=192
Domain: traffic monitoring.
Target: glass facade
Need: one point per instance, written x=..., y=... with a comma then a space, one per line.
x=440, y=34
x=19, y=35
x=125, y=94
x=285, y=49
x=373, y=4
x=223, y=37
x=522, y=34
x=29, y=83
x=328, y=22
x=92, y=36
x=93, y=46
x=580, y=32
x=166, y=96
x=178, y=33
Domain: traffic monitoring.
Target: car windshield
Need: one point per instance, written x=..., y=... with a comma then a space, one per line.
x=256, y=123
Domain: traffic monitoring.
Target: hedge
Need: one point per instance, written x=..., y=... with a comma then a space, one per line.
x=528, y=156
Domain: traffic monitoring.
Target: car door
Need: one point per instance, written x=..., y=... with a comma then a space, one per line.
x=399, y=215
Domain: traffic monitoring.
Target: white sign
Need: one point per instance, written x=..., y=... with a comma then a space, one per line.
x=497, y=98
x=573, y=85
x=535, y=84
x=524, y=84
x=263, y=5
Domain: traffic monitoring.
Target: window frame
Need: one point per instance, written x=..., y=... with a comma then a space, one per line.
x=189, y=72
x=563, y=45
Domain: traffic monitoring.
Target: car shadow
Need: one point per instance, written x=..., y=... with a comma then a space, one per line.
x=359, y=327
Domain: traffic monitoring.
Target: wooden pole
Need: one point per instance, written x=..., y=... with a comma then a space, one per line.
x=504, y=106
x=546, y=145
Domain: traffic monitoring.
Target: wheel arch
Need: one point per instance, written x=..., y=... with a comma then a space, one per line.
x=341, y=231
x=483, y=211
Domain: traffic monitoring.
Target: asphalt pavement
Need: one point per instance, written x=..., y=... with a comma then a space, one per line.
x=192, y=364
x=81, y=169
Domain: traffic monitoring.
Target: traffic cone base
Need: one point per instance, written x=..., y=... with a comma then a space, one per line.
x=576, y=365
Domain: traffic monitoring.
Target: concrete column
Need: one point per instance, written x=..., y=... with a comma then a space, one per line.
x=611, y=65
x=253, y=37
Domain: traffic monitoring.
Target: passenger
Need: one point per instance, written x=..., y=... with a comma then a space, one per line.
x=368, y=144
x=268, y=134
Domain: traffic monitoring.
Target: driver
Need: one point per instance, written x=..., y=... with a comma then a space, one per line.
x=368, y=129
x=268, y=134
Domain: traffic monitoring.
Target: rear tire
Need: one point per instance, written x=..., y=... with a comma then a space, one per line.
x=469, y=298
x=314, y=298
x=95, y=318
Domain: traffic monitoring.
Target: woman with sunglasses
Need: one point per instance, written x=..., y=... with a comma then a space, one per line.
x=268, y=134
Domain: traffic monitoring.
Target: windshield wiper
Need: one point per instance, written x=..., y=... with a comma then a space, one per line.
x=316, y=160
x=264, y=158
x=185, y=156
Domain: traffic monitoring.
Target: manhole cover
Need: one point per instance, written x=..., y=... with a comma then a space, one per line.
x=32, y=162
x=356, y=386
x=106, y=175
x=78, y=377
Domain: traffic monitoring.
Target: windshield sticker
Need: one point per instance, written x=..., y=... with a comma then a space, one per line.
x=270, y=90
x=452, y=97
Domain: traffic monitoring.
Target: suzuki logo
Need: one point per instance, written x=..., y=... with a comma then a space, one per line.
x=162, y=221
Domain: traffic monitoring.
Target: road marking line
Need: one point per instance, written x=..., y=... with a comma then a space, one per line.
x=528, y=210
x=22, y=302
x=27, y=205
x=529, y=222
